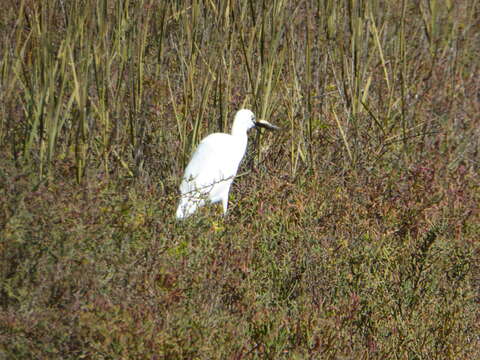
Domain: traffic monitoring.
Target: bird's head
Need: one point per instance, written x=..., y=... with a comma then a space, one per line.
x=245, y=120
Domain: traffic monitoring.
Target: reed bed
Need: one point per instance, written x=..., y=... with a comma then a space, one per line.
x=353, y=233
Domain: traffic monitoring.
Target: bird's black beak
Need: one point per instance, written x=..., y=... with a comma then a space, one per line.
x=266, y=125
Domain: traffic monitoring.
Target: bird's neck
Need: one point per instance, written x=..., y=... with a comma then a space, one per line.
x=239, y=132
x=240, y=139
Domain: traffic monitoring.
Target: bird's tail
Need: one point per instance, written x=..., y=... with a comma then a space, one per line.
x=187, y=207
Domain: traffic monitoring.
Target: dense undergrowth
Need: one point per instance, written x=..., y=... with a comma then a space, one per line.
x=352, y=234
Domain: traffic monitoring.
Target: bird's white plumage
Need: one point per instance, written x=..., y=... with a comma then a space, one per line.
x=213, y=166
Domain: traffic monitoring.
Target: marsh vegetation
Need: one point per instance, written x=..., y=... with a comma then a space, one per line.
x=354, y=235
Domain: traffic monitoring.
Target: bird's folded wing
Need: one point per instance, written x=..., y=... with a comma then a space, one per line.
x=210, y=163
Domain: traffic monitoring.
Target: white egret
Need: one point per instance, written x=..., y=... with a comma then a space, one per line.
x=214, y=165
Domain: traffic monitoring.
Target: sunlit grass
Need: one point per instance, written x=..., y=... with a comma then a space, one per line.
x=351, y=234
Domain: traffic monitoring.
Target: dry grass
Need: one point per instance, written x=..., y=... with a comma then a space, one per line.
x=352, y=234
